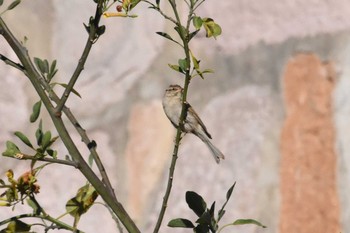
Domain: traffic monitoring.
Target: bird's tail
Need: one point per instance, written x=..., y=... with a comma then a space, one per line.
x=217, y=154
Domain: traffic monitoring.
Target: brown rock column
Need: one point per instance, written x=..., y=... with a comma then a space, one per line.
x=309, y=200
x=147, y=152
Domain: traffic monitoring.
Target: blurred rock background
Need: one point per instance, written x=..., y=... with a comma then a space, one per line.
x=278, y=106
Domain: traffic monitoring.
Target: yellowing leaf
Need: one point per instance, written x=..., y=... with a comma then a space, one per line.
x=81, y=203
x=211, y=28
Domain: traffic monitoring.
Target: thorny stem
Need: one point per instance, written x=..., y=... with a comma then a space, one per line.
x=34, y=77
x=11, y=63
x=183, y=33
x=93, y=36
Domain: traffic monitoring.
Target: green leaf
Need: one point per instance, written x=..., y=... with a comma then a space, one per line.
x=133, y=3
x=65, y=86
x=204, y=219
x=180, y=222
x=12, y=146
x=46, y=66
x=11, y=149
x=228, y=196
x=207, y=71
x=53, y=66
x=129, y=4
x=40, y=64
x=197, y=22
x=46, y=140
x=196, y=203
x=9, y=153
x=17, y=226
x=39, y=136
x=52, y=71
x=167, y=36
x=197, y=68
x=36, y=111
x=51, y=75
x=211, y=28
x=176, y=68
x=212, y=210
x=101, y=30
x=13, y=4
x=229, y=192
x=180, y=30
x=192, y=34
x=221, y=214
x=183, y=64
x=195, y=61
x=1, y=2
x=52, y=153
x=248, y=221
x=24, y=138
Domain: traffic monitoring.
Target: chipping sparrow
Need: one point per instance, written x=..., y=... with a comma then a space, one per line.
x=172, y=105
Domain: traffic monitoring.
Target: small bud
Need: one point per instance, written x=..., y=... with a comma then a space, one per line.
x=9, y=174
x=119, y=8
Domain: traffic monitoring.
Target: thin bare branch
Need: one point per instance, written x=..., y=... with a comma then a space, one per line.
x=11, y=63
x=185, y=40
x=93, y=36
x=21, y=156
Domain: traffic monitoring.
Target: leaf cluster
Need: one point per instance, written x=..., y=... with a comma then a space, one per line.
x=48, y=71
x=207, y=220
x=196, y=70
x=17, y=190
x=186, y=34
x=81, y=203
x=44, y=141
x=211, y=28
x=24, y=188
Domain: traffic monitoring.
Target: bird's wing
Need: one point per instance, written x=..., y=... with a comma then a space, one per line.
x=191, y=110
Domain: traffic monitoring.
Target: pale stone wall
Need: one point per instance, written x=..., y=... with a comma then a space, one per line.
x=243, y=105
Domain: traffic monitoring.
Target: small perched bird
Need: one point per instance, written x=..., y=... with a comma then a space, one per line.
x=172, y=105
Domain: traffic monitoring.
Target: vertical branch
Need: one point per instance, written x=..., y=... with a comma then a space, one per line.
x=170, y=182
x=94, y=33
x=183, y=33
